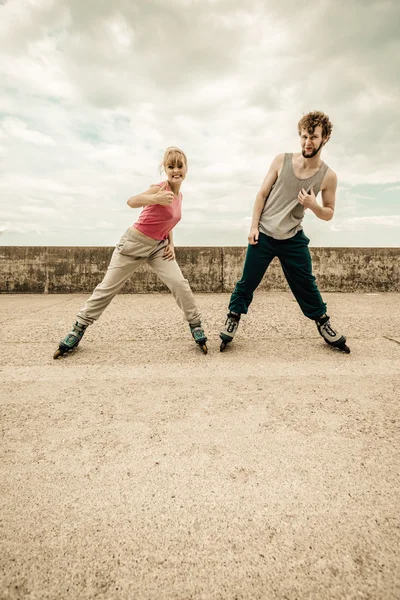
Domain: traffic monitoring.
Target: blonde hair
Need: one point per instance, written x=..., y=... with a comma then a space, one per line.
x=312, y=119
x=173, y=155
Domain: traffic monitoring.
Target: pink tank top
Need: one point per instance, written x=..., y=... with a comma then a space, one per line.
x=156, y=221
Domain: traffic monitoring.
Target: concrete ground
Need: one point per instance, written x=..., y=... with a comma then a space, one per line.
x=138, y=468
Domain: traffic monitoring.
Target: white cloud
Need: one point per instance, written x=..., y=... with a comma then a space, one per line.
x=360, y=223
x=105, y=225
x=16, y=128
x=94, y=92
x=22, y=228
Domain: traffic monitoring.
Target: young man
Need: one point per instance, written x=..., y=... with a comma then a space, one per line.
x=289, y=188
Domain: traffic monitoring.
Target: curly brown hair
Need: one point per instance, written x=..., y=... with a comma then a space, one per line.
x=314, y=118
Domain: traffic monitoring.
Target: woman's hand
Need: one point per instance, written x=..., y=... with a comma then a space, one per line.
x=169, y=252
x=163, y=197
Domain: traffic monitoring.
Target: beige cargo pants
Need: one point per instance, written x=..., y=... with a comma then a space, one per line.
x=133, y=250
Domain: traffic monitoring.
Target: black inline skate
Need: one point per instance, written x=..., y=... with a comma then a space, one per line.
x=71, y=340
x=199, y=336
x=229, y=330
x=331, y=337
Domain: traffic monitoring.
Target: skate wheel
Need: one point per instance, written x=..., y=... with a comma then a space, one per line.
x=345, y=349
x=57, y=353
x=223, y=346
x=204, y=348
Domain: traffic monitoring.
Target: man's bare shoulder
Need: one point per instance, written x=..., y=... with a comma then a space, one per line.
x=330, y=180
x=277, y=163
x=279, y=158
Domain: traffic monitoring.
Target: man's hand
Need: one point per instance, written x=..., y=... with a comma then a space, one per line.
x=163, y=197
x=253, y=236
x=307, y=200
x=169, y=252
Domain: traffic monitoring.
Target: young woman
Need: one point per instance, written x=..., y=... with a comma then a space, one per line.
x=148, y=240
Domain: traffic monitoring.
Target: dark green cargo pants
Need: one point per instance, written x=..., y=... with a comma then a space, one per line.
x=295, y=259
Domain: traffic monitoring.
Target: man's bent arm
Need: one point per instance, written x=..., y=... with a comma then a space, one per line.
x=328, y=193
x=308, y=199
x=323, y=212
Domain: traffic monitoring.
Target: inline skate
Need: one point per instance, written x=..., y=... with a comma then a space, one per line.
x=199, y=336
x=229, y=330
x=71, y=340
x=331, y=337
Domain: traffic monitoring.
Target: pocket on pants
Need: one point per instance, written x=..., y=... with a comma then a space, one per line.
x=129, y=245
x=122, y=240
x=303, y=235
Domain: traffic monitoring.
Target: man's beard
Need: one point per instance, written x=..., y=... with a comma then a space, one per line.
x=313, y=153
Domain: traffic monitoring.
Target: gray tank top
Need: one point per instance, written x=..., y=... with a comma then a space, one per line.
x=282, y=214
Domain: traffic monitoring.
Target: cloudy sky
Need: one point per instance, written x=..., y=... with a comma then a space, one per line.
x=93, y=91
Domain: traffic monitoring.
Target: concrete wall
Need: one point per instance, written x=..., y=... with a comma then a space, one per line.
x=209, y=269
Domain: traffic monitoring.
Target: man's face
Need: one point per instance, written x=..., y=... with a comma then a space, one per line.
x=311, y=142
